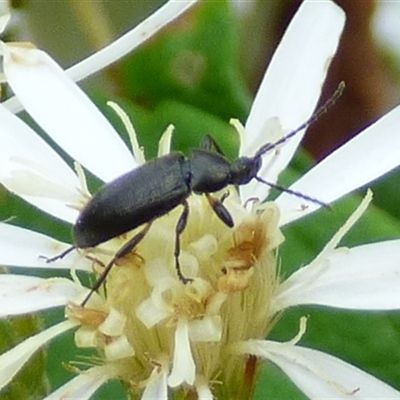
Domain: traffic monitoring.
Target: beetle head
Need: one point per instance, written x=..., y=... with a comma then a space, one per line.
x=244, y=169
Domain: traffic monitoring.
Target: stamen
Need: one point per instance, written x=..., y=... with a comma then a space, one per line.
x=164, y=145
x=302, y=331
x=138, y=152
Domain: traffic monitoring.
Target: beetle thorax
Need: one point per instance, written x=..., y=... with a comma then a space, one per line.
x=244, y=169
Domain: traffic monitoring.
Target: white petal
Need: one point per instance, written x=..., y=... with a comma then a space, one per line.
x=19, y=142
x=183, y=367
x=156, y=387
x=292, y=84
x=319, y=375
x=157, y=274
x=207, y=329
x=4, y=16
x=24, y=248
x=65, y=112
x=13, y=360
x=204, y=392
x=122, y=46
x=86, y=337
x=83, y=386
x=347, y=226
x=366, y=157
x=21, y=294
x=118, y=349
x=150, y=314
x=114, y=324
x=363, y=278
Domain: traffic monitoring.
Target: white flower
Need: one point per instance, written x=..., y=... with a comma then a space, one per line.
x=153, y=331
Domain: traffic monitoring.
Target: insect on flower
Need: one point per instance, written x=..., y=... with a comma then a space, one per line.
x=157, y=187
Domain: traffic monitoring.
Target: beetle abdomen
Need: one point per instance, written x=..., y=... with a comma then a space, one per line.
x=133, y=199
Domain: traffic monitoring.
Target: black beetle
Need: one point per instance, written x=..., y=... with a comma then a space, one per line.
x=158, y=186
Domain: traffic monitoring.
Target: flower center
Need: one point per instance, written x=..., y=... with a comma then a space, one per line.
x=233, y=278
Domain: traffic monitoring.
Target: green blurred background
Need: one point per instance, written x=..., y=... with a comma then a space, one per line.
x=197, y=74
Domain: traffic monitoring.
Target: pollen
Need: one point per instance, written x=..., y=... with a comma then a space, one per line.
x=89, y=317
x=249, y=241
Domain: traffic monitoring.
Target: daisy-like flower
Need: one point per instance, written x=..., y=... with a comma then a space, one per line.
x=205, y=338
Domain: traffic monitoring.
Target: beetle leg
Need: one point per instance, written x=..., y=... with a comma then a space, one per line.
x=219, y=209
x=58, y=256
x=180, y=227
x=122, y=252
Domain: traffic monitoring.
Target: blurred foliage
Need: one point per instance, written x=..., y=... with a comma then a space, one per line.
x=195, y=62
x=190, y=76
x=31, y=382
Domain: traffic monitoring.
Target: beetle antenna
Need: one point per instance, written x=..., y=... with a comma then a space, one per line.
x=298, y=194
x=316, y=115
